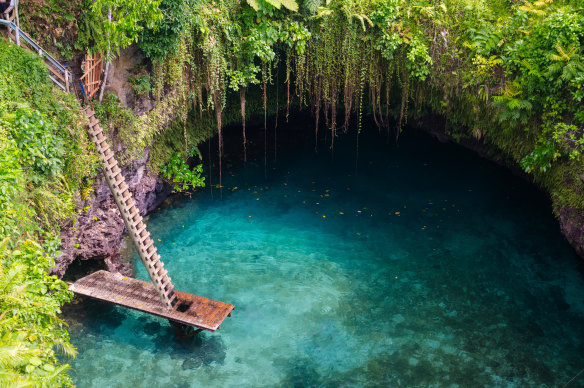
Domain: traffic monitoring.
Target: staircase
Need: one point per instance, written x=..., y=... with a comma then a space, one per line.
x=130, y=213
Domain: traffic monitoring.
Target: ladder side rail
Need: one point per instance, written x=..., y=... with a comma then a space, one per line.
x=125, y=203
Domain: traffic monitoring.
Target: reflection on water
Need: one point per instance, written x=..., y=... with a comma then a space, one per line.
x=430, y=267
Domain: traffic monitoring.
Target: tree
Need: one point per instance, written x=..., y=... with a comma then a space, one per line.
x=125, y=20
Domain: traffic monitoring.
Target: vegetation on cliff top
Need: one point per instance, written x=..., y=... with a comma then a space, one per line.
x=505, y=73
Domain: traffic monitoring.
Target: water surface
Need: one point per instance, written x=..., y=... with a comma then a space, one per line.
x=427, y=266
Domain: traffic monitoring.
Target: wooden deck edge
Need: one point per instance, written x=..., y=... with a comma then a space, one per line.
x=205, y=313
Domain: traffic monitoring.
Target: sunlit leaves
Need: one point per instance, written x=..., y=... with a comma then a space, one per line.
x=29, y=326
x=291, y=5
x=180, y=175
x=128, y=19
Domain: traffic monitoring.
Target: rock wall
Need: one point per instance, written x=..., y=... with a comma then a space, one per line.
x=571, y=220
x=97, y=234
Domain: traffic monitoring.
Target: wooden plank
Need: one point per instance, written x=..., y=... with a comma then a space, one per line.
x=203, y=313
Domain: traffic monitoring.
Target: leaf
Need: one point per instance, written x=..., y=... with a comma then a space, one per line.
x=292, y=5
x=254, y=4
x=275, y=3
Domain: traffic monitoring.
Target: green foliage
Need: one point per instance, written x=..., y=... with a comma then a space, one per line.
x=540, y=158
x=30, y=330
x=141, y=84
x=45, y=162
x=91, y=30
x=123, y=21
x=165, y=35
x=266, y=5
x=180, y=175
x=41, y=150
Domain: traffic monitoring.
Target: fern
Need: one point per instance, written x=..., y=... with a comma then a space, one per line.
x=311, y=5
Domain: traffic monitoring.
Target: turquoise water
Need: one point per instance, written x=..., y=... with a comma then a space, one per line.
x=426, y=266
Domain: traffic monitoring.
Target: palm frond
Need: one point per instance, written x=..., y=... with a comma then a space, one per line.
x=311, y=5
x=67, y=349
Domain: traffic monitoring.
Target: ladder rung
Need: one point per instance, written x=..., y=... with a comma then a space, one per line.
x=130, y=202
x=113, y=164
x=139, y=230
x=103, y=149
x=141, y=239
x=151, y=250
x=147, y=245
x=125, y=195
x=164, y=283
x=134, y=210
x=113, y=167
x=96, y=130
x=161, y=272
x=170, y=296
x=119, y=178
x=107, y=154
x=154, y=260
x=123, y=187
x=113, y=176
x=93, y=122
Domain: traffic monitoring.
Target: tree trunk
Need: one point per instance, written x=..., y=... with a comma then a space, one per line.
x=108, y=63
x=105, y=74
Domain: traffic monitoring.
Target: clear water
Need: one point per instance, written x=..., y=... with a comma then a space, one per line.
x=427, y=267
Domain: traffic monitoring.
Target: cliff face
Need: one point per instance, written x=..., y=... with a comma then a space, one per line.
x=97, y=234
x=571, y=221
x=572, y=225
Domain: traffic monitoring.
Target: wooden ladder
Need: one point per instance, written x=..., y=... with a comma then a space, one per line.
x=130, y=213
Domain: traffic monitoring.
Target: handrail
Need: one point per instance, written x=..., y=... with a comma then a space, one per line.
x=41, y=52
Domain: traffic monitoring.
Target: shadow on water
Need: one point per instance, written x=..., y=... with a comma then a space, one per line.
x=95, y=318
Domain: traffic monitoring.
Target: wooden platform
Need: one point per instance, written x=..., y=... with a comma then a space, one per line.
x=200, y=312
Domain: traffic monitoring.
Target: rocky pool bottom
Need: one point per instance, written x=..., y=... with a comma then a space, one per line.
x=423, y=266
